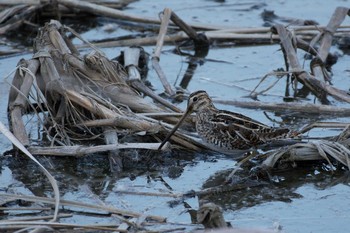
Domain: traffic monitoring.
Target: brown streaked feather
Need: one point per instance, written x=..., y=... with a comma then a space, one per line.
x=229, y=130
x=244, y=131
x=238, y=119
x=226, y=131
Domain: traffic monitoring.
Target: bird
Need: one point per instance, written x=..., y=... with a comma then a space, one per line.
x=225, y=131
x=211, y=216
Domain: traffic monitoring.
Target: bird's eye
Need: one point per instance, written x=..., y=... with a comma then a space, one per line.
x=195, y=99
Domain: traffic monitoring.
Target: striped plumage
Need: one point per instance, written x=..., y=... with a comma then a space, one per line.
x=226, y=131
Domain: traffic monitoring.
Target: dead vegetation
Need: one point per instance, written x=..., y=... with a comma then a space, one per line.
x=85, y=103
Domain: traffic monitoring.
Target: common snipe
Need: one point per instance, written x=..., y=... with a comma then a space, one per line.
x=224, y=131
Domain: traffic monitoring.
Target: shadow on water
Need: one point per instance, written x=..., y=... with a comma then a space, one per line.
x=94, y=170
x=201, y=50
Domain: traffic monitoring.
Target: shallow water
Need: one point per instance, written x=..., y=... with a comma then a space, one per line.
x=307, y=199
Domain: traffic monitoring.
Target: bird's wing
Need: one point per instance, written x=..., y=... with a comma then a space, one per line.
x=248, y=129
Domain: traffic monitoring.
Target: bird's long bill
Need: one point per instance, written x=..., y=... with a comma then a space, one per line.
x=188, y=111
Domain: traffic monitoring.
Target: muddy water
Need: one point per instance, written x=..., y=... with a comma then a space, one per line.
x=307, y=199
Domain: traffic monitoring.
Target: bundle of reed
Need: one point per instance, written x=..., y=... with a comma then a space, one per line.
x=82, y=98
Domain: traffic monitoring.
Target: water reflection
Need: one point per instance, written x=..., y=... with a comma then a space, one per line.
x=279, y=185
x=94, y=171
x=201, y=49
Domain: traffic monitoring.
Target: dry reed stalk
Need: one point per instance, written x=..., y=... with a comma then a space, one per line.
x=161, y=114
x=108, y=209
x=74, y=87
x=89, y=104
x=240, y=36
x=108, y=3
x=114, y=158
x=327, y=38
x=18, y=101
x=17, y=2
x=113, y=13
x=14, y=17
x=21, y=219
x=106, y=11
x=179, y=137
x=40, y=225
x=319, y=89
x=313, y=150
x=126, y=224
x=100, y=72
x=78, y=87
x=117, y=89
x=191, y=33
x=295, y=107
x=156, y=54
x=266, y=30
x=128, y=122
x=344, y=135
x=324, y=125
x=78, y=151
x=131, y=58
x=265, y=38
x=139, y=125
x=200, y=40
x=173, y=195
x=140, y=86
x=23, y=209
x=168, y=39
